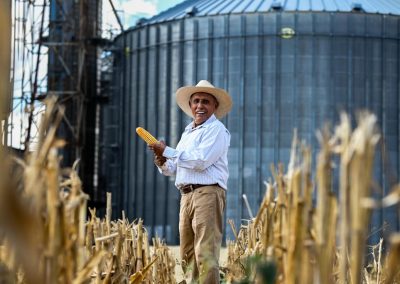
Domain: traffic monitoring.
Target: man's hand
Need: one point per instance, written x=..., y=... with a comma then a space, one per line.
x=159, y=160
x=158, y=148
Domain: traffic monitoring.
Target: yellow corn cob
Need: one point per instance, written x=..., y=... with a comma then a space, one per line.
x=146, y=136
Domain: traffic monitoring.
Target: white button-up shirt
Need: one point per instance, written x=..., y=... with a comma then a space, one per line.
x=201, y=156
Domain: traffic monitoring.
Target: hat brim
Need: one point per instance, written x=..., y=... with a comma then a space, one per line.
x=183, y=95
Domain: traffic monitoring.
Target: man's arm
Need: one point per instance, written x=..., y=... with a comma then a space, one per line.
x=214, y=144
x=165, y=166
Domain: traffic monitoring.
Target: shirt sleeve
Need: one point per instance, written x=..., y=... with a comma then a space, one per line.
x=213, y=145
x=168, y=168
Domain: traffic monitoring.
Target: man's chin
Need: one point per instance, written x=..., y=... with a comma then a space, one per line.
x=199, y=121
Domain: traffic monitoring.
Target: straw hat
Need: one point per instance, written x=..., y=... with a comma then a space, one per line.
x=183, y=95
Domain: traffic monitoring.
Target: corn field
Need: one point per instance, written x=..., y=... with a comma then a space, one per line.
x=46, y=235
x=296, y=240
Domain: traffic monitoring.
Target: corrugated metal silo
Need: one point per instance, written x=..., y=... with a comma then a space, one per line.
x=290, y=64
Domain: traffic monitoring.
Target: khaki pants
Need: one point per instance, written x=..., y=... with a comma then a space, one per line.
x=200, y=230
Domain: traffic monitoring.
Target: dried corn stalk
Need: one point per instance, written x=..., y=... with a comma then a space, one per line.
x=296, y=239
x=47, y=237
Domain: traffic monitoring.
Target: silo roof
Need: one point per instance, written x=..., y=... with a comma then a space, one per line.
x=222, y=7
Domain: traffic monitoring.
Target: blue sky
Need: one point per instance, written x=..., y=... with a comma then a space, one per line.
x=131, y=10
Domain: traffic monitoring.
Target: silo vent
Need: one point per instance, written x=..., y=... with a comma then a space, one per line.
x=140, y=21
x=276, y=6
x=191, y=11
x=356, y=7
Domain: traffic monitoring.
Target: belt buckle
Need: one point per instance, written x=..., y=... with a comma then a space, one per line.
x=187, y=188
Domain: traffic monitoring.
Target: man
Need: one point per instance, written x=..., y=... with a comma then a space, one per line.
x=200, y=164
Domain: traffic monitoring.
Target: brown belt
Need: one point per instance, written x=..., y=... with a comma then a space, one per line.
x=192, y=187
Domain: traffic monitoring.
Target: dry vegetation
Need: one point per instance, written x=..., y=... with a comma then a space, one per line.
x=46, y=235
x=295, y=240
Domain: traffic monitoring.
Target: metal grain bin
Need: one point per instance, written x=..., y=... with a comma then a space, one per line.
x=294, y=64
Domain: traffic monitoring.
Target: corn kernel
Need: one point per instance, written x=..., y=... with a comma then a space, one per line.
x=146, y=136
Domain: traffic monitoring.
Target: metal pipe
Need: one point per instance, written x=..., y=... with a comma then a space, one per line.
x=116, y=15
x=248, y=206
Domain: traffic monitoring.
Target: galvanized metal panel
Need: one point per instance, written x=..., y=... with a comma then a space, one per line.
x=215, y=7
x=336, y=61
x=265, y=6
x=254, y=6
x=208, y=7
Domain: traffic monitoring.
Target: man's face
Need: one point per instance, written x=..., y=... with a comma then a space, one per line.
x=203, y=105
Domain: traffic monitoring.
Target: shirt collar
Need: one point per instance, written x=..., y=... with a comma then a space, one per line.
x=210, y=120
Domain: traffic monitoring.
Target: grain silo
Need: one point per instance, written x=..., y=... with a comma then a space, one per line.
x=287, y=64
